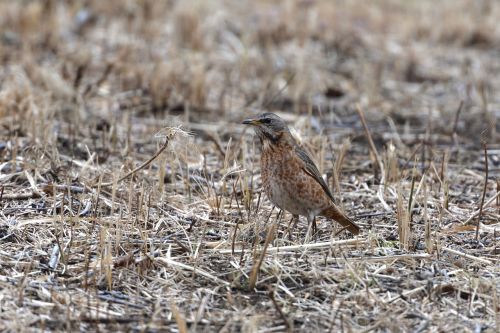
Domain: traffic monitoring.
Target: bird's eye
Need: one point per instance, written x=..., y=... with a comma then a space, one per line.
x=265, y=120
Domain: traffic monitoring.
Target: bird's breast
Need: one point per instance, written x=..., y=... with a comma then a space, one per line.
x=284, y=181
x=288, y=185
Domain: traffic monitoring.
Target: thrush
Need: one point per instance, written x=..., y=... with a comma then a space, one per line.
x=290, y=178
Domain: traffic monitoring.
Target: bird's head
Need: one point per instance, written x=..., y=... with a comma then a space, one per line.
x=268, y=126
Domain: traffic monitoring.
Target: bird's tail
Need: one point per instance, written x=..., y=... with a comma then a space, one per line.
x=334, y=213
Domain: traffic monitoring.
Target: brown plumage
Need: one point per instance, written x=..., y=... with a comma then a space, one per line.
x=290, y=178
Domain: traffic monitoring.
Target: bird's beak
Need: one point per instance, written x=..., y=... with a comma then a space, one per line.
x=251, y=122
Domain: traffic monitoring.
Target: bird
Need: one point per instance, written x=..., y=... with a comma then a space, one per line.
x=289, y=176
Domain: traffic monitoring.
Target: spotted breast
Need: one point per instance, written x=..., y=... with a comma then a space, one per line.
x=286, y=183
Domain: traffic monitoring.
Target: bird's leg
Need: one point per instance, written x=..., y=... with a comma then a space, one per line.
x=310, y=223
x=289, y=230
x=296, y=218
x=314, y=227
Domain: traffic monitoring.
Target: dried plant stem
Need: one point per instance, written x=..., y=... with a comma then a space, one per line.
x=142, y=166
x=427, y=223
x=169, y=262
x=337, y=166
x=310, y=246
x=487, y=204
x=498, y=198
x=403, y=219
x=280, y=311
x=442, y=172
x=496, y=306
x=410, y=200
x=371, y=144
x=390, y=258
x=406, y=293
x=256, y=267
x=484, y=190
x=20, y=196
x=457, y=116
x=468, y=256
x=376, y=156
x=179, y=318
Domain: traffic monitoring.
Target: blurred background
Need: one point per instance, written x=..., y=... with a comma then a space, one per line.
x=410, y=63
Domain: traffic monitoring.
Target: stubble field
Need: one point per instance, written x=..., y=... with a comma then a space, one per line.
x=130, y=192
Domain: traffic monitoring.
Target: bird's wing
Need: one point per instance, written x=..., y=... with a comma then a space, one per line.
x=310, y=168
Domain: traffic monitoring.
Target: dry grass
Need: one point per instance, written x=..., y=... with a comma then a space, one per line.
x=96, y=234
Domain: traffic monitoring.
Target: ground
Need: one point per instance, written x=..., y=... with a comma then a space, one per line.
x=130, y=192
